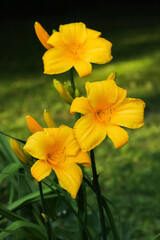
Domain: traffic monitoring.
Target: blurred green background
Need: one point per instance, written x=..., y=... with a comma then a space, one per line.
x=130, y=176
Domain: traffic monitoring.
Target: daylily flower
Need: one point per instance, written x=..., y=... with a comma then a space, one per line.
x=57, y=149
x=73, y=46
x=105, y=109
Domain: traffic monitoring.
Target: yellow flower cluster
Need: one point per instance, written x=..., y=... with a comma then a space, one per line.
x=105, y=110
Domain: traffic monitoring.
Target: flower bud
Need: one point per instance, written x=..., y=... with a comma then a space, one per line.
x=42, y=35
x=48, y=119
x=33, y=125
x=21, y=156
x=64, y=94
x=77, y=93
x=112, y=76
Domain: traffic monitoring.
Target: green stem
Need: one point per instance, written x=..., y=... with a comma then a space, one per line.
x=107, y=210
x=7, y=135
x=82, y=201
x=47, y=225
x=68, y=202
x=111, y=220
x=98, y=194
x=72, y=82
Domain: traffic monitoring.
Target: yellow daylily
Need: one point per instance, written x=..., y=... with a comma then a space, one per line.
x=105, y=109
x=74, y=46
x=57, y=149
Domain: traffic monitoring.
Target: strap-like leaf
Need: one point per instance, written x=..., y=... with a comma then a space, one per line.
x=37, y=231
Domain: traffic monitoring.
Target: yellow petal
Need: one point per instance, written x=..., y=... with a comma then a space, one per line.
x=129, y=113
x=118, y=135
x=40, y=170
x=41, y=143
x=56, y=61
x=89, y=132
x=42, y=35
x=73, y=33
x=81, y=105
x=83, y=68
x=56, y=40
x=70, y=177
x=48, y=119
x=122, y=93
x=66, y=139
x=102, y=94
x=92, y=33
x=81, y=158
x=97, y=50
x=33, y=125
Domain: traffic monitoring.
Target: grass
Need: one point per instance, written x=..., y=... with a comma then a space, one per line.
x=129, y=176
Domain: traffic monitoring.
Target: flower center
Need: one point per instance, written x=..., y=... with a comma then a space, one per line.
x=76, y=49
x=57, y=157
x=104, y=115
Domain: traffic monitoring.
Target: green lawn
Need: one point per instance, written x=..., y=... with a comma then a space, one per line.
x=129, y=176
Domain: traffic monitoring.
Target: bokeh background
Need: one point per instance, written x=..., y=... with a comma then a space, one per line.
x=130, y=176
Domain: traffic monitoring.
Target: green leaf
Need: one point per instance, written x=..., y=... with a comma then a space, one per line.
x=34, y=230
x=9, y=214
x=158, y=235
x=28, y=199
x=8, y=170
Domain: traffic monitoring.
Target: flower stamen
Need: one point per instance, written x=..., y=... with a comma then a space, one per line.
x=57, y=157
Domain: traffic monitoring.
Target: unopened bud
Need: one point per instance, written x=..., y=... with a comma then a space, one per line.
x=33, y=125
x=42, y=35
x=21, y=156
x=64, y=94
x=112, y=76
x=48, y=119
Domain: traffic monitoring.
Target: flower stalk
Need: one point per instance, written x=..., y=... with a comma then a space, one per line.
x=98, y=194
x=46, y=222
x=82, y=200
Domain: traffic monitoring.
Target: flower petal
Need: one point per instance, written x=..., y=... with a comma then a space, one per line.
x=40, y=169
x=118, y=135
x=81, y=105
x=122, y=93
x=56, y=61
x=81, y=158
x=89, y=132
x=129, y=113
x=97, y=50
x=69, y=176
x=92, y=33
x=83, y=68
x=56, y=40
x=102, y=94
x=65, y=139
x=73, y=32
x=41, y=143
